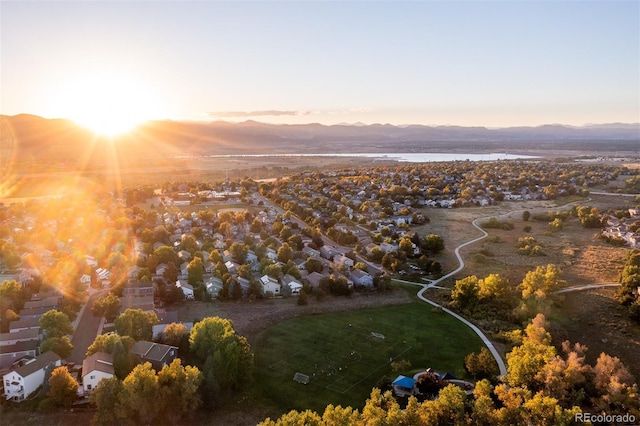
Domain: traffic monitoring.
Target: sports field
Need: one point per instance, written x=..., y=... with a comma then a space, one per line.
x=344, y=355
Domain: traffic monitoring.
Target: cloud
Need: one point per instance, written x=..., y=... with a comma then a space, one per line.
x=244, y=114
x=350, y=111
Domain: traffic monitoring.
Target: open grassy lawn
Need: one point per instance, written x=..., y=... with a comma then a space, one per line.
x=344, y=361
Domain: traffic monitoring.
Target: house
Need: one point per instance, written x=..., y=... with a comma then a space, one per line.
x=48, y=302
x=404, y=386
x=95, y=368
x=20, y=336
x=269, y=285
x=85, y=280
x=213, y=286
x=23, y=381
x=245, y=284
x=187, y=289
x=251, y=257
x=137, y=288
x=313, y=279
x=33, y=312
x=343, y=260
x=232, y=267
x=145, y=303
x=310, y=252
x=327, y=252
x=293, y=284
x=157, y=354
x=361, y=278
x=9, y=354
x=103, y=276
x=388, y=248
x=271, y=254
x=29, y=323
x=164, y=319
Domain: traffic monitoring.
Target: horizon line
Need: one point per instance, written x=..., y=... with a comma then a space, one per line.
x=354, y=124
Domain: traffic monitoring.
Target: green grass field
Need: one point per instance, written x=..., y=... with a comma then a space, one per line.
x=344, y=361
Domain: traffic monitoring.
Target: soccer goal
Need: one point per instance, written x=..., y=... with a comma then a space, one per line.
x=301, y=378
x=377, y=335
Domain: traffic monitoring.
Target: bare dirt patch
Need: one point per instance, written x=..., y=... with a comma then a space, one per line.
x=249, y=318
x=594, y=318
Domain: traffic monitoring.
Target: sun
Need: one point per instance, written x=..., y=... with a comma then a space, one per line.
x=107, y=104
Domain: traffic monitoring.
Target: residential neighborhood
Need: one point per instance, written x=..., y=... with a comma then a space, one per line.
x=154, y=251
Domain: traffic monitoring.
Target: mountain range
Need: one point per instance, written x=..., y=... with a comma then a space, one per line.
x=30, y=138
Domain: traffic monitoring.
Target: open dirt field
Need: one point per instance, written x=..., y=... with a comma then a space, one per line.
x=249, y=318
x=593, y=318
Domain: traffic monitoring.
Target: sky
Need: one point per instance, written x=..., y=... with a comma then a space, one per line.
x=468, y=63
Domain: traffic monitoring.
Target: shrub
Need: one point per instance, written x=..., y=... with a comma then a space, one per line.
x=495, y=223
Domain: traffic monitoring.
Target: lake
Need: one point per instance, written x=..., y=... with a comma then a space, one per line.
x=409, y=157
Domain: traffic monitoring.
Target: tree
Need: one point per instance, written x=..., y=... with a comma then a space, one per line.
x=139, y=397
x=11, y=290
x=166, y=254
x=120, y=347
x=63, y=389
x=225, y=355
x=526, y=215
x=136, y=323
x=55, y=324
x=179, y=385
x=174, y=332
x=239, y=252
x=195, y=271
x=542, y=282
x=524, y=362
x=433, y=243
x=285, y=253
x=171, y=273
x=106, y=398
x=481, y=365
x=405, y=245
x=60, y=345
x=313, y=265
x=107, y=307
x=493, y=286
x=466, y=292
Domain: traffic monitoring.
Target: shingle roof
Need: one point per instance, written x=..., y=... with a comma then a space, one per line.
x=150, y=350
x=41, y=361
x=99, y=361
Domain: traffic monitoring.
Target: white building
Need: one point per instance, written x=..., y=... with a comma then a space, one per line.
x=187, y=289
x=24, y=380
x=269, y=285
x=95, y=368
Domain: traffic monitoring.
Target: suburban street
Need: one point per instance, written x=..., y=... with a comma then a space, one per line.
x=86, y=330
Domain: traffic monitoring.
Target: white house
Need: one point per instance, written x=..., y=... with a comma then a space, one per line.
x=341, y=259
x=187, y=289
x=361, y=278
x=213, y=285
x=294, y=284
x=24, y=380
x=95, y=368
x=269, y=285
x=271, y=254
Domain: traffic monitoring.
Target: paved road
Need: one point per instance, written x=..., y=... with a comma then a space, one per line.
x=86, y=330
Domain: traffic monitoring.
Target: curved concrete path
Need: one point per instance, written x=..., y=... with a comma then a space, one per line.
x=434, y=283
x=586, y=287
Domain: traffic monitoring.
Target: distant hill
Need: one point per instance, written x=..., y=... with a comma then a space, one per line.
x=33, y=139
